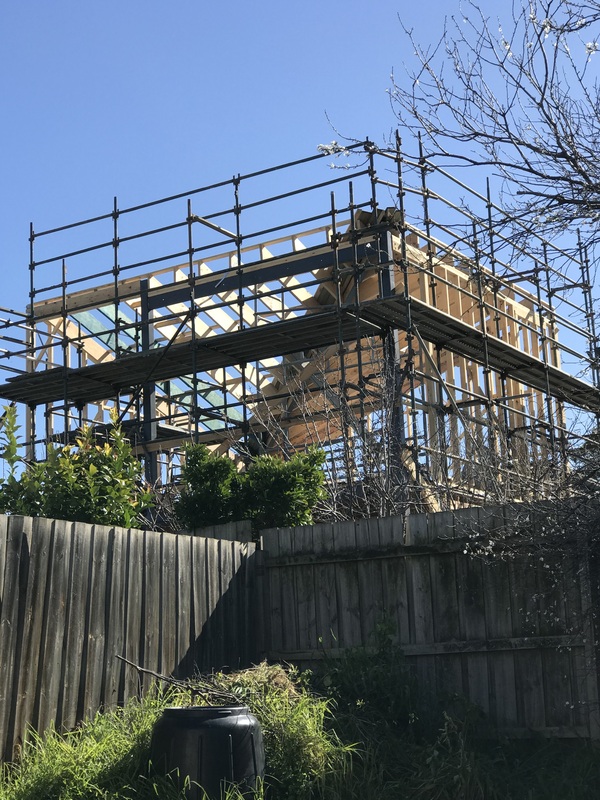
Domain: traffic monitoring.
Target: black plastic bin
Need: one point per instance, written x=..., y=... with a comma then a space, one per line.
x=212, y=745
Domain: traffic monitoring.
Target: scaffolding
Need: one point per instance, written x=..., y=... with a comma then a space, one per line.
x=379, y=308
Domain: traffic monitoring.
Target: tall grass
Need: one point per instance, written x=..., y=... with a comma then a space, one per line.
x=104, y=758
x=411, y=746
x=108, y=757
x=302, y=748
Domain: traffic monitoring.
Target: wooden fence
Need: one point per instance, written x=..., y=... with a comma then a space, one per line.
x=236, y=531
x=75, y=596
x=498, y=632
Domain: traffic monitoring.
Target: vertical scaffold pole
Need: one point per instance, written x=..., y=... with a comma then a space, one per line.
x=30, y=333
x=495, y=285
x=492, y=442
x=192, y=318
x=65, y=350
x=543, y=346
x=116, y=270
x=590, y=317
x=558, y=417
x=391, y=400
x=344, y=410
x=357, y=276
x=442, y=446
x=150, y=423
x=427, y=224
x=237, y=209
x=410, y=350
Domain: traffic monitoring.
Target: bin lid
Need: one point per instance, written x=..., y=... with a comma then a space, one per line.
x=204, y=712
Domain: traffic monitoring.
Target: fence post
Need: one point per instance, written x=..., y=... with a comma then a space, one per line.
x=591, y=668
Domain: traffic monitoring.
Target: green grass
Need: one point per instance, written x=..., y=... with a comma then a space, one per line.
x=104, y=758
x=368, y=734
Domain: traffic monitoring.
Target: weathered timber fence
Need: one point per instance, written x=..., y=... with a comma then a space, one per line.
x=75, y=596
x=499, y=632
x=236, y=531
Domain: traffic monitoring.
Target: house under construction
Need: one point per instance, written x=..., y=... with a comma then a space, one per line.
x=374, y=306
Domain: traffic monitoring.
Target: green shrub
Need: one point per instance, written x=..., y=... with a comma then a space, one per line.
x=375, y=684
x=210, y=484
x=271, y=492
x=280, y=494
x=86, y=482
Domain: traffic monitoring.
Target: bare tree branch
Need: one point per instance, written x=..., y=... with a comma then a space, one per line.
x=520, y=97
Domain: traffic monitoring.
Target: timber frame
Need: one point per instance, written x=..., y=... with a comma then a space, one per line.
x=269, y=312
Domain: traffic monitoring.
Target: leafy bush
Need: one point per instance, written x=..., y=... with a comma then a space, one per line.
x=85, y=482
x=279, y=494
x=210, y=483
x=271, y=492
x=376, y=682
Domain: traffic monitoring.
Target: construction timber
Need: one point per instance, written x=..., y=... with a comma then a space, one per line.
x=374, y=306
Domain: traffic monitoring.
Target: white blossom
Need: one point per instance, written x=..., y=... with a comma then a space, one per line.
x=333, y=148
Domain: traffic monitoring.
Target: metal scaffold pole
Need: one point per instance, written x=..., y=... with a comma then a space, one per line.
x=192, y=318
x=344, y=410
x=410, y=349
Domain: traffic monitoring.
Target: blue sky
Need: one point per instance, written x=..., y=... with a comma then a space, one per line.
x=143, y=98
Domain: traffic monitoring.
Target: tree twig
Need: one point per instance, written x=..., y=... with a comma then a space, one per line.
x=196, y=686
